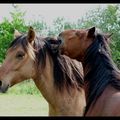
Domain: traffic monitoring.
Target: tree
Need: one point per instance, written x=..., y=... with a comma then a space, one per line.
x=7, y=29
x=60, y=24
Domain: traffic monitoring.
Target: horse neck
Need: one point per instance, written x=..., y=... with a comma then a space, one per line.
x=44, y=80
x=98, y=70
x=60, y=103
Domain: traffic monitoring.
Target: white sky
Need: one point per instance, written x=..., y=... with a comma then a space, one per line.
x=50, y=11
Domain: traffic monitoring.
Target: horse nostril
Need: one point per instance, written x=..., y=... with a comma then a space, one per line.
x=0, y=83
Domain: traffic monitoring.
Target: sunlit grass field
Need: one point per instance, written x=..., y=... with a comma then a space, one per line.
x=23, y=99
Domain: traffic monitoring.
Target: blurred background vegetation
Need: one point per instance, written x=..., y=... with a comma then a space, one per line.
x=107, y=19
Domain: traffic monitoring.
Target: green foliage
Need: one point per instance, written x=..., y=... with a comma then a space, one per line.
x=5, y=37
x=7, y=29
x=18, y=21
x=60, y=24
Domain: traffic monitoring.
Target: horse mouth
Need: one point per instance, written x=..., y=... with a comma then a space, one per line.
x=3, y=89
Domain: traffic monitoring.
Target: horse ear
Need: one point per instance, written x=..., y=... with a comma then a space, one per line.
x=91, y=32
x=108, y=36
x=31, y=35
x=16, y=33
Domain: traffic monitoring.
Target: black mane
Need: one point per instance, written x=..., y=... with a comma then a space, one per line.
x=100, y=69
x=66, y=73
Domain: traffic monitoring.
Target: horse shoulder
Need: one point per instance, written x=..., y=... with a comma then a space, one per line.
x=112, y=106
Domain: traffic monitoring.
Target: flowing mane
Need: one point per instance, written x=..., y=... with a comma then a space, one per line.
x=100, y=69
x=66, y=72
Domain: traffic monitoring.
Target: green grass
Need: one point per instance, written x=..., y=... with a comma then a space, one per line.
x=23, y=99
x=23, y=105
x=25, y=87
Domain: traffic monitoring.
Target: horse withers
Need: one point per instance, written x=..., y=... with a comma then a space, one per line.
x=58, y=77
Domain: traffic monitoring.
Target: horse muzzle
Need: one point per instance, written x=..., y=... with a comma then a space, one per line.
x=3, y=87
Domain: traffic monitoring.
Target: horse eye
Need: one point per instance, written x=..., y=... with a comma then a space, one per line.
x=20, y=55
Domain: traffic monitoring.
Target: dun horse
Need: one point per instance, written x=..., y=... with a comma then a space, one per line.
x=101, y=76
x=58, y=78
